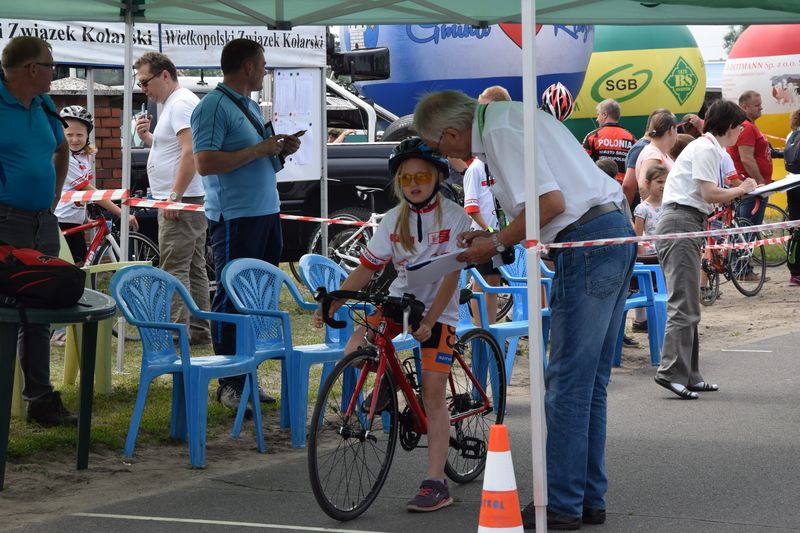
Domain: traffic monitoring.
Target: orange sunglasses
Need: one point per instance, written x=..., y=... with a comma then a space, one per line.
x=421, y=178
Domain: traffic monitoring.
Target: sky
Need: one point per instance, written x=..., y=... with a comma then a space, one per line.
x=709, y=40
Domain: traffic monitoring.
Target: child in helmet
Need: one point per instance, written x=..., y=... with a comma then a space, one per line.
x=79, y=178
x=424, y=224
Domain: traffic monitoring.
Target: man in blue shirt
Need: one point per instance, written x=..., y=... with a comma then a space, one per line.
x=238, y=157
x=34, y=159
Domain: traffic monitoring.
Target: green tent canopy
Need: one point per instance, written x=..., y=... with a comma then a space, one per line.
x=287, y=13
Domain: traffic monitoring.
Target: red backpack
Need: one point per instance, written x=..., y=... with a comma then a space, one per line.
x=30, y=278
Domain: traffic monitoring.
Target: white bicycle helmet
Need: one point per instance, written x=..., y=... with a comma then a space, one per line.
x=79, y=113
x=557, y=100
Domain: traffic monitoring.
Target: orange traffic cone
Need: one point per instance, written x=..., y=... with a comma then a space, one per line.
x=500, y=501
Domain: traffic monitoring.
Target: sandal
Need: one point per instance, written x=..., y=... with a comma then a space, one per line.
x=702, y=386
x=677, y=388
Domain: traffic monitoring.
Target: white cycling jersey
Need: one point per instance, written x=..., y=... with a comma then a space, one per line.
x=438, y=239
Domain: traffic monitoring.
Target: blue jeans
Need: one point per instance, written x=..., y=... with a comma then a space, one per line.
x=745, y=210
x=255, y=237
x=587, y=302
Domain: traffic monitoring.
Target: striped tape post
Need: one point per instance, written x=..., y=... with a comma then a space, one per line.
x=500, y=510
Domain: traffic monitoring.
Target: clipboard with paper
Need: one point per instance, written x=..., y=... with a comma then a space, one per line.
x=433, y=269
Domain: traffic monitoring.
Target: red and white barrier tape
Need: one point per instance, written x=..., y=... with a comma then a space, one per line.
x=95, y=195
x=743, y=245
x=329, y=220
x=163, y=204
x=668, y=237
x=122, y=194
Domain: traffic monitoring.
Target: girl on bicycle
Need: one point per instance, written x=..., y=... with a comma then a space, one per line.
x=79, y=178
x=423, y=225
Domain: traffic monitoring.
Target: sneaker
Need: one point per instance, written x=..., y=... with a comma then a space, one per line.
x=230, y=396
x=640, y=326
x=794, y=281
x=432, y=496
x=629, y=341
x=58, y=337
x=384, y=399
x=49, y=411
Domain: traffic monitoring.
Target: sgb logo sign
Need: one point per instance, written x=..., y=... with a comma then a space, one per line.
x=621, y=79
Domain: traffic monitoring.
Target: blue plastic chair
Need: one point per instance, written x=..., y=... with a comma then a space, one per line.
x=255, y=288
x=144, y=296
x=653, y=298
x=319, y=271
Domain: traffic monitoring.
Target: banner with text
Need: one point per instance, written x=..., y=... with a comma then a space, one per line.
x=103, y=44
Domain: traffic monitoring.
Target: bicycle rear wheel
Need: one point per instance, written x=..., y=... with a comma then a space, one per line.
x=709, y=291
x=348, y=455
x=776, y=253
x=746, y=267
x=478, y=365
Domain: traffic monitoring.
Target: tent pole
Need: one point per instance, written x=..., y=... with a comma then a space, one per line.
x=323, y=186
x=90, y=104
x=536, y=352
x=127, y=112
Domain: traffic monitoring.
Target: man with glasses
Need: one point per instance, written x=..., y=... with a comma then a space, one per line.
x=33, y=165
x=577, y=202
x=610, y=139
x=172, y=176
x=238, y=156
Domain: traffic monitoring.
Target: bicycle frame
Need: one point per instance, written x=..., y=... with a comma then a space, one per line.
x=718, y=257
x=101, y=224
x=358, y=234
x=388, y=356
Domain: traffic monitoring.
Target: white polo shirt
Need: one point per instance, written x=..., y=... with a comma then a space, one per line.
x=165, y=154
x=561, y=165
x=700, y=161
x=478, y=195
x=439, y=237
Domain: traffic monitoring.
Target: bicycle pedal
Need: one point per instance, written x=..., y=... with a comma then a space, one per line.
x=472, y=448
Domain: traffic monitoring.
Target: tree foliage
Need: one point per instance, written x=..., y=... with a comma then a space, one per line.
x=730, y=38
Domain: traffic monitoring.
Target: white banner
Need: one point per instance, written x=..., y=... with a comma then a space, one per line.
x=103, y=44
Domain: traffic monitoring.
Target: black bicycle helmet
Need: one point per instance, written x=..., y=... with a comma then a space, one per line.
x=557, y=100
x=79, y=113
x=415, y=148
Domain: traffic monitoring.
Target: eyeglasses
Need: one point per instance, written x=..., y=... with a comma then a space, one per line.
x=143, y=84
x=52, y=66
x=421, y=178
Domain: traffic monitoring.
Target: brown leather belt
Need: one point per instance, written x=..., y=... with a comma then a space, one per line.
x=591, y=214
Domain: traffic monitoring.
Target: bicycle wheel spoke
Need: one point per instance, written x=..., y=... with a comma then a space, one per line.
x=482, y=371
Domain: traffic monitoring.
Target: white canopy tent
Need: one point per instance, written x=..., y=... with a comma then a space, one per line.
x=285, y=13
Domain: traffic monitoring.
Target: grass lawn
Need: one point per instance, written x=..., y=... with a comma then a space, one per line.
x=112, y=412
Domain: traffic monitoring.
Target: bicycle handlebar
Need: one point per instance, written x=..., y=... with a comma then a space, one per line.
x=406, y=308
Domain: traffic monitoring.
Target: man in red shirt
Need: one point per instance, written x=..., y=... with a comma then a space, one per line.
x=610, y=140
x=751, y=154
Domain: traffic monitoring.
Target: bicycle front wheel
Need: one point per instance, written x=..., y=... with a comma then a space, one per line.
x=476, y=399
x=709, y=290
x=349, y=455
x=746, y=267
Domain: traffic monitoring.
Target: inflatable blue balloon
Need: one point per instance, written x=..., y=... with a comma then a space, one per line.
x=436, y=57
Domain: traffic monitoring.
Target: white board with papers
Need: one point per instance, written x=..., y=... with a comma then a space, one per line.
x=297, y=105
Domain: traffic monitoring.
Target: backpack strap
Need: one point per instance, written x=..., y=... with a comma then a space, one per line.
x=265, y=131
x=256, y=124
x=481, y=118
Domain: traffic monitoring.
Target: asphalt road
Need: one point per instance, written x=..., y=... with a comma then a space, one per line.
x=726, y=463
